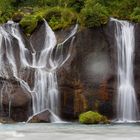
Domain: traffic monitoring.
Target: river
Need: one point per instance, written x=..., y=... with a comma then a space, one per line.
x=69, y=131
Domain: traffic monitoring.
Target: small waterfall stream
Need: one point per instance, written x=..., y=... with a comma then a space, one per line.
x=127, y=109
x=45, y=88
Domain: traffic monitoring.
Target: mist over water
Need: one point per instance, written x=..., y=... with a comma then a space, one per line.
x=96, y=66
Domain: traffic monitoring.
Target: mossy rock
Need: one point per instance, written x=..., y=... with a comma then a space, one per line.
x=17, y=16
x=29, y=23
x=91, y=117
x=58, y=17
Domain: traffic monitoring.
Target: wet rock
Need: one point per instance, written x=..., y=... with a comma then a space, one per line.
x=137, y=62
x=92, y=64
x=6, y=120
x=15, y=101
x=13, y=93
x=43, y=117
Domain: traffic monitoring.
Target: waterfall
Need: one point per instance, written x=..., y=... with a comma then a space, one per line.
x=127, y=109
x=52, y=56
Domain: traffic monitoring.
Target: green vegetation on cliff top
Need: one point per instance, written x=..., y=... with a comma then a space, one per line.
x=63, y=13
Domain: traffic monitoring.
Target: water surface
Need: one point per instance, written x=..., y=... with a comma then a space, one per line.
x=69, y=132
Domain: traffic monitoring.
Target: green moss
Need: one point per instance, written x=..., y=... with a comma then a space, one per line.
x=5, y=17
x=5, y=14
x=59, y=18
x=91, y=117
x=29, y=23
x=6, y=10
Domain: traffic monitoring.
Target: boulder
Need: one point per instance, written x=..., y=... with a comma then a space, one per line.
x=43, y=117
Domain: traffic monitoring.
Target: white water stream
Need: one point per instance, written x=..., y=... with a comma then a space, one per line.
x=127, y=109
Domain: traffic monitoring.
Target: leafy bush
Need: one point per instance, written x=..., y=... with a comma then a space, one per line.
x=77, y=5
x=63, y=13
x=135, y=16
x=6, y=5
x=34, y=3
x=126, y=8
x=58, y=17
x=94, y=14
x=91, y=117
x=6, y=10
x=61, y=17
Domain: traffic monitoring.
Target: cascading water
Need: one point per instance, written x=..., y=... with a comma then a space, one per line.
x=127, y=109
x=45, y=73
x=45, y=89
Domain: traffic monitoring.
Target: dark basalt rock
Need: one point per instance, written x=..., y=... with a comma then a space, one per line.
x=14, y=94
x=88, y=80
x=43, y=117
x=137, y=62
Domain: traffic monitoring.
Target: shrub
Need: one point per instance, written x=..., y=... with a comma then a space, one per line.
x=94, y=14
x=29, y=23
x=77, y=5
x=6, y=10
x=126, y=8
x=91, y=117
x=4, y=17
x=135, y=16
x=63, y=13
x=59, y=18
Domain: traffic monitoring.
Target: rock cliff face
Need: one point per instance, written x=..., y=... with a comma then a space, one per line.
x=87, y=81
x=137, y=63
